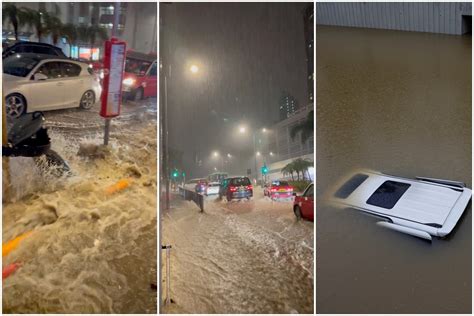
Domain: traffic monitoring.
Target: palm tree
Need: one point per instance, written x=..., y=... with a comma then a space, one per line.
x=305, y=128
x=33, y=19
x=53, y=26
x=301, y=165
x=11, y=13
x=289, y=169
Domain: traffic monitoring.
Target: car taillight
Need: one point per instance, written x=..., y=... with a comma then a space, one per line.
x=248, y=187
x=273, y=190
x=290, y=189
x=232, y=189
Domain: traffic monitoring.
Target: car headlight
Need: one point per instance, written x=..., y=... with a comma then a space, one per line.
x=129, y=81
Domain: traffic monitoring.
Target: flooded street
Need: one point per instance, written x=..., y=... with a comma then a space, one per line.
x=92, y=246
x=398, y=103
x=238, y=257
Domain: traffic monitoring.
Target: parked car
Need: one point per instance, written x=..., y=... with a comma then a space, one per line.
x=278, y=189
x=32, y=47
x=303, y=205
x=212, y=188
x=201, y=186
x=140, y=76
x=191, y=184
x=238, y=188
x=34, y=82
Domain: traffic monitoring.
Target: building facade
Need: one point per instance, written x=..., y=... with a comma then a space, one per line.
x=137, y=21
x=309, y=40
x=434, y=17
x=288, y=106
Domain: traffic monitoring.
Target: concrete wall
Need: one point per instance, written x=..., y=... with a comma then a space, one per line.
x=432, y=17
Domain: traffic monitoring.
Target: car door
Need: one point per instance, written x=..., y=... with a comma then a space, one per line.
x=74, y=85
x=151, y=81
x=307, y=203
x=47, y=94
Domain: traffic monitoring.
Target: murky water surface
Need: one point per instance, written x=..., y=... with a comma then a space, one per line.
x=89, y=251
x=239, y=257
x=399, y=103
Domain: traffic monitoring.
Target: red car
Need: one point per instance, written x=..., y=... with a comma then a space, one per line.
x=278, y=189
x=140, y=75
x=303, y=206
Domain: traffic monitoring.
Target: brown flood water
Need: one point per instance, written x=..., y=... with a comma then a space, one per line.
x=399, y=103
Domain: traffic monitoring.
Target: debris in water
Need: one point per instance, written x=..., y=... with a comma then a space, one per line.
x=9, y=269
x=12, y=244
x=122, y=184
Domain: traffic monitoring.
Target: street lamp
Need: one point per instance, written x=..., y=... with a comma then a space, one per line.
x=258, y=153
x=271, y=153
x=215, y=154
x=194, y=69
x=229, y=156
x=242, y=129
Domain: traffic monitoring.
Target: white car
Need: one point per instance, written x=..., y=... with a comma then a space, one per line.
x=34, y=82
x=422, y=207
x=212, y=188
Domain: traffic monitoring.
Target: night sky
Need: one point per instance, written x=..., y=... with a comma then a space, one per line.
x=247, y=53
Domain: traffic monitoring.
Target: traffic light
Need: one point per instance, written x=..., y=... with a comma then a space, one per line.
x=264, y=169
x=175, y=173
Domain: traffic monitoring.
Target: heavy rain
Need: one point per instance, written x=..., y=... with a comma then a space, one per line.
x=236, y=184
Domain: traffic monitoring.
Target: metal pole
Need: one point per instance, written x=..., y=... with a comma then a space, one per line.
x=114, y=33
x=168, y=276
x=255, y=156
x=166, y=155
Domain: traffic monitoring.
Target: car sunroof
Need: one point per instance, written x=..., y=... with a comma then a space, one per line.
x=388, y=194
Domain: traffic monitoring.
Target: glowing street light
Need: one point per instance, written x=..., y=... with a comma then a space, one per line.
x=229, y=155
x=264, y=130
x=271, y=153
x=258, y=153
x=215, y=154
x=242, y=129
x=194, y=69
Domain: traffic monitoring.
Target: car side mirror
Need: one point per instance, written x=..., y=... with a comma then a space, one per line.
x=40, y=76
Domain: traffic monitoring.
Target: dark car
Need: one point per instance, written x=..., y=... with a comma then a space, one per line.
x=238, y=188
x=32, y=47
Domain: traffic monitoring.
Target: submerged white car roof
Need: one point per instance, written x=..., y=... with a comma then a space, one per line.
x=430, y=205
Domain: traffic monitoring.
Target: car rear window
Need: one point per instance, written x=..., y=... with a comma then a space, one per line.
x=240, y=181
x=388, y=194
x=350, y=186
x=280, y=183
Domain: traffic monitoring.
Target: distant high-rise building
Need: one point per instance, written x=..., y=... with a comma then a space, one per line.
x=288, y=105
x=309, y=39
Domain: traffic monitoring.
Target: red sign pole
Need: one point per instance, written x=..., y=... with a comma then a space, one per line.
x=111, y=99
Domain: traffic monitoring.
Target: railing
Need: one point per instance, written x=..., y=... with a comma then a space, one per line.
x=168, y=276
x=189, y=195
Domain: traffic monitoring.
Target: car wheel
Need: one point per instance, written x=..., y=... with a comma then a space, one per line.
x=297, y=211
x=138, y=95
x=87, y=100
x=15, y=105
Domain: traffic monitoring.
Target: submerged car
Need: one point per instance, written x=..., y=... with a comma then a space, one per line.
x=278, y=189
x=33, y=82
x=303, y=205
x=238, y=188
x=422, y=207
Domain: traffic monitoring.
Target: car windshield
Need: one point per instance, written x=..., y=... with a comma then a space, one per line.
x=240, y=181
x=137, y=67
x=19, y=66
